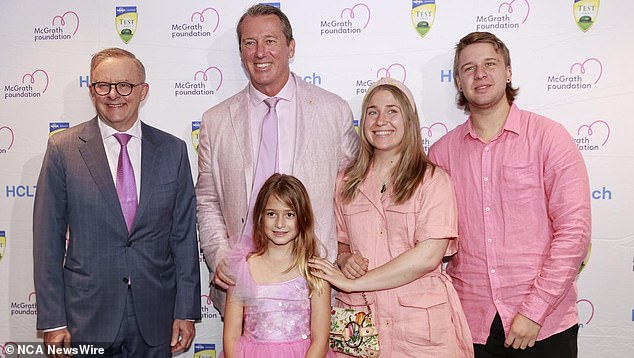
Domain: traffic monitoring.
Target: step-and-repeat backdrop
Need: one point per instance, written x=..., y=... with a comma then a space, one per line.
x=571, y=59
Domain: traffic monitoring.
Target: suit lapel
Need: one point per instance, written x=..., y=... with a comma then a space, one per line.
x=149, y=169
x=92, y=151
x=242, y=131
x=303, y=127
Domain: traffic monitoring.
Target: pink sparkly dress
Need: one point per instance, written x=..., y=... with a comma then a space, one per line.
x=276, y=317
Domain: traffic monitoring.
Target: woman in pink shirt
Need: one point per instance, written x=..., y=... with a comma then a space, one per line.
x=396, y=220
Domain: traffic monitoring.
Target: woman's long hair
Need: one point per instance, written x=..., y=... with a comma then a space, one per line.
x=291, y=192
x=409, y=171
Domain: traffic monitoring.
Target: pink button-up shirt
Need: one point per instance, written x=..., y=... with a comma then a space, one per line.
x=523, y=219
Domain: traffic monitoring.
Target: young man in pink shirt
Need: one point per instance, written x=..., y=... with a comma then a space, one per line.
x=524, y=212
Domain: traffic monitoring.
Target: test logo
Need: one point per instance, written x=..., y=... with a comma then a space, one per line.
x=126, y=19
x=7, y=138
x=195, y=139
x=423, y=14
x=360, y=9
x=395, y=71
x=585, y=13
x=3, y=243
x=586, y=312
x=522, y=10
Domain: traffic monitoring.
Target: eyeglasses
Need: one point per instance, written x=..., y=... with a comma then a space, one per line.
x=122, y=88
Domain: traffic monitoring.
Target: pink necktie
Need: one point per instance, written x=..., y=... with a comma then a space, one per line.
x=126, y=185
x=267, y=163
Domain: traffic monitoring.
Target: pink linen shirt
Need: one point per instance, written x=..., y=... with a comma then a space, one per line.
x=523, y=220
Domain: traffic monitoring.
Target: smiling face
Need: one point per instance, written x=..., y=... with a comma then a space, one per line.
x=383, y=123
x=482, y=76
x=280, y=222
x=119, y=112
x=265, y=53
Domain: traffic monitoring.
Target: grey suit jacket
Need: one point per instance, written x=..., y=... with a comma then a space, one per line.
x=325, y=143
x=84, y=286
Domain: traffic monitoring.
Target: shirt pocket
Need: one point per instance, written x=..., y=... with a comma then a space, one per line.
x=426, y=318
x=521, y=183
x=401, y=224
x=356, y=217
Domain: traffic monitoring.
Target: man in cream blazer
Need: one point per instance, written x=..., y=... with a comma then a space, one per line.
x=322, y=141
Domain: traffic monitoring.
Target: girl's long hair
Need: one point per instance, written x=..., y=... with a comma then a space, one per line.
x=409, y=171
x=291, y=192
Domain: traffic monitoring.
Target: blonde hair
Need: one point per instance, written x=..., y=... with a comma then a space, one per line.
x=291, y=192
x=410, y=168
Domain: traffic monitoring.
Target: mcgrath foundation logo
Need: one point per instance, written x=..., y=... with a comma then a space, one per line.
x=593, y=136
x=204, y=350
x=206, y=82
x=507, y=15
x=430, y=134
x=423, y=14
x=56, y=127
x=195, y=136
x=585, y=13
x=586, y=312
x=125, y=20
x=7, y=137
x=582, y=75
x=202, y=23
x=32, y=85
x=207, y=309
x=26, y=307
x=351, y=20
x=62, y=27
x=396, y=71
x=3, y=243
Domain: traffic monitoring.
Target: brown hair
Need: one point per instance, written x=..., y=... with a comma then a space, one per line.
x=292, y=192
x=499, y=46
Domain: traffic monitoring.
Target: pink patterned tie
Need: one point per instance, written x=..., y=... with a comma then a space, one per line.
x=126, y=185
x=267, y=163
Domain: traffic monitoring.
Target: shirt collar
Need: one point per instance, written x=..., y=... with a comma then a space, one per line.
x=511, y=124
x=286, y=93
x=107, y=131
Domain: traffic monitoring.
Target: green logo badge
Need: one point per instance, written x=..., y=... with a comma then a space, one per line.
x=3, y=243
x=423, y=14
x=585, y=12
x=195, y=134
x=125, y=22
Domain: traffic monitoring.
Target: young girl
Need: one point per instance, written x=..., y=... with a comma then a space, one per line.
x=285, y=309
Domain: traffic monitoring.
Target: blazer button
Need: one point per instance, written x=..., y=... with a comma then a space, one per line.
x=126, y=280
x=129, y=243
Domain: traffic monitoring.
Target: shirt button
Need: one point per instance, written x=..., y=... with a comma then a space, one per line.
x=486, y=149
x=486, y=178
x=492, y=270
x=487, y=209
x=489, y=240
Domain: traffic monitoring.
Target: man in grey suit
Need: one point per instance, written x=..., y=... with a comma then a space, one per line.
x=316, y=139
x=128, y=276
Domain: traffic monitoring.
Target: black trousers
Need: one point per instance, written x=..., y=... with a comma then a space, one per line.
x=560, y=345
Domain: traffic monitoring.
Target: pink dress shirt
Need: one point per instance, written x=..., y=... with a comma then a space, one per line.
x=523, y=219
x=423, y=318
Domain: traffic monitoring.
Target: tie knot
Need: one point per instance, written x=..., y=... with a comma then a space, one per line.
x=272, y=102
x=123, y=138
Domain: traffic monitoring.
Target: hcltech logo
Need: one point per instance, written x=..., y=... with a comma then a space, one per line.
x=395, y=70
x=63, y=27
x=592, y=137
x=202, y=23
x=507, y=15
x=351, y=20
x=582, y=75
x=7, y=137
x=585, y=13
x=423, y=14
x=205, y=83
x=33, y=85
x=56, y=127
x=430, y=134
x=125, y=20
x=195, y=134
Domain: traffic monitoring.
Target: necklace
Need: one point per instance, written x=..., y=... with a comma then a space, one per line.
x=383, y=188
